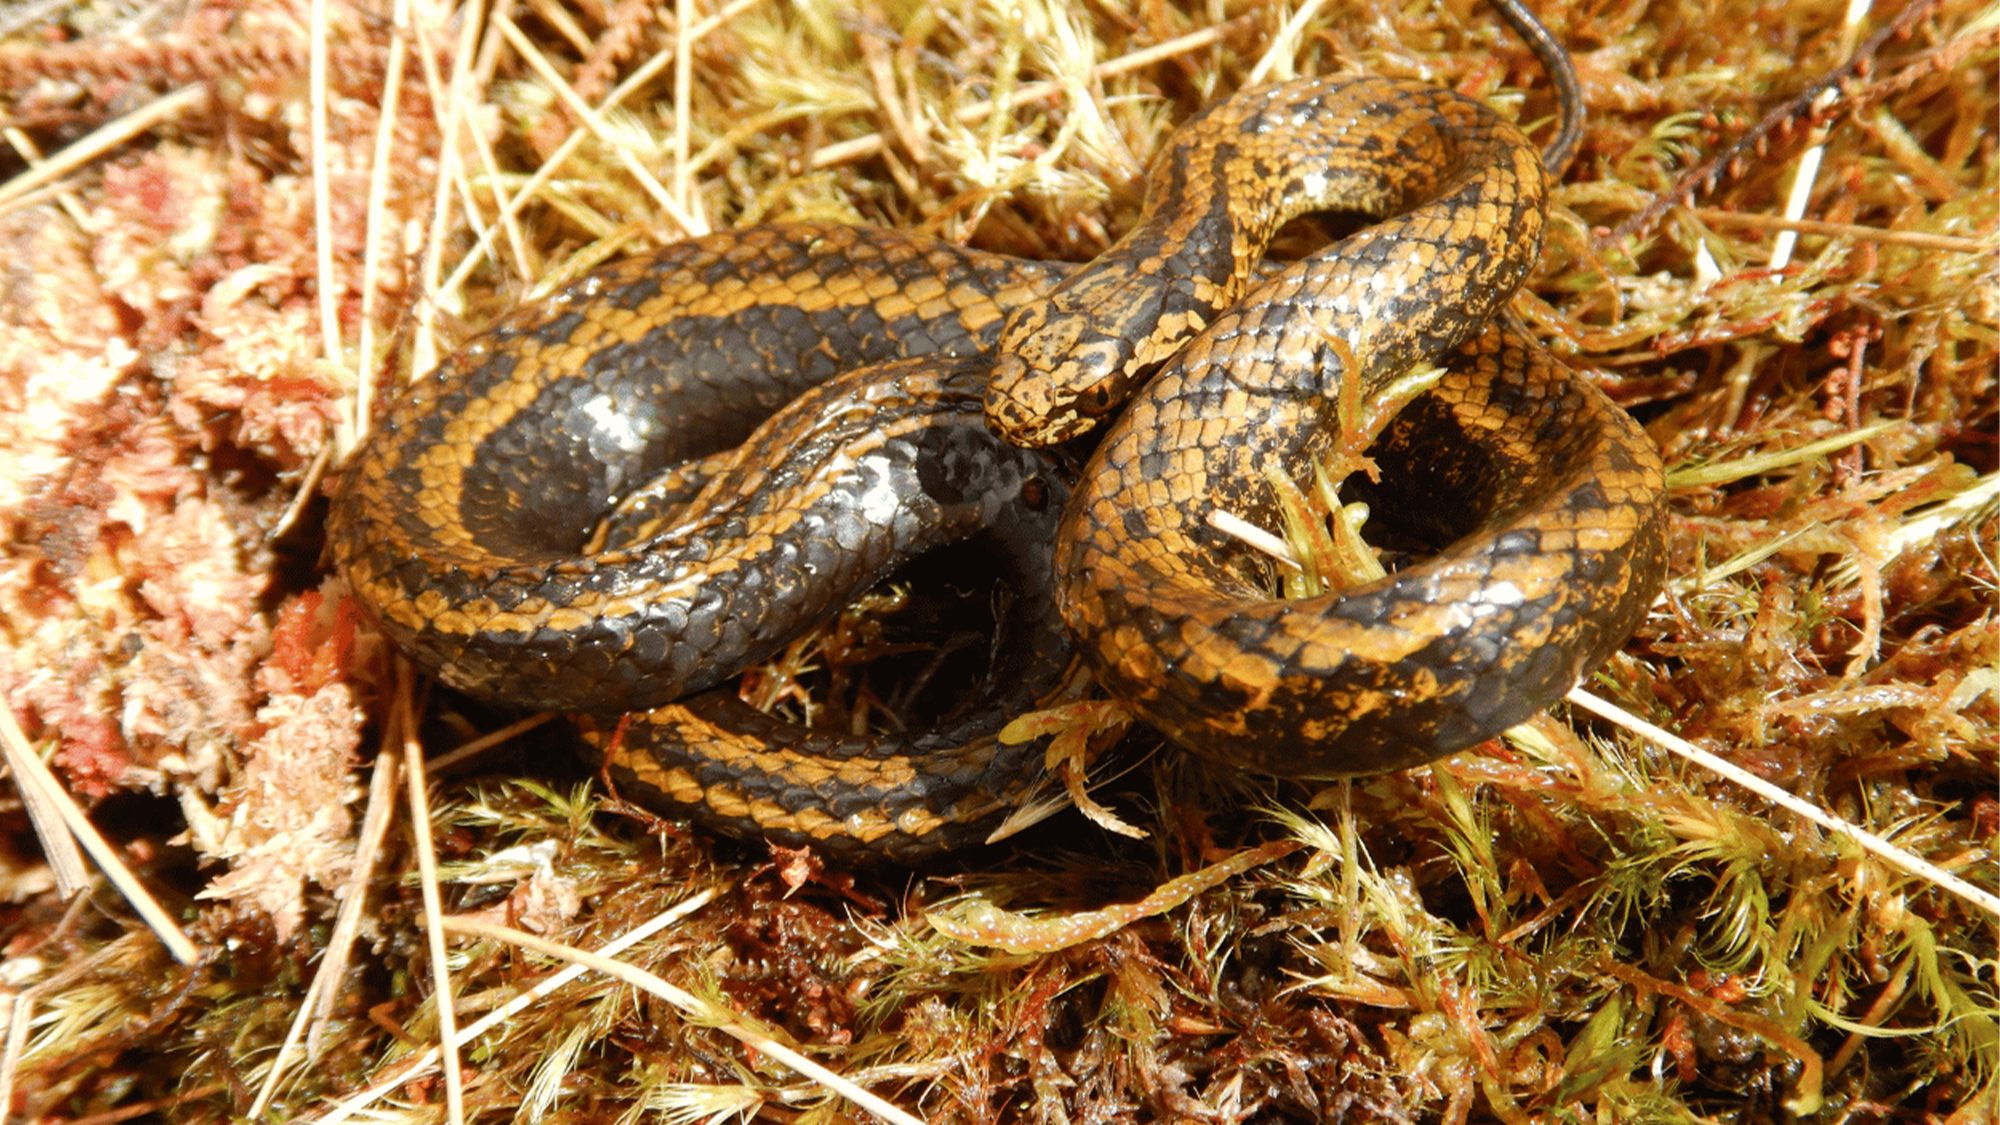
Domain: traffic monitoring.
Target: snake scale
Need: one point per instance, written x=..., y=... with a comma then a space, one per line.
x=623, y=494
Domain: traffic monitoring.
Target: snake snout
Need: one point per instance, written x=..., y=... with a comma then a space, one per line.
x=1019, y=406
x=1055, y=386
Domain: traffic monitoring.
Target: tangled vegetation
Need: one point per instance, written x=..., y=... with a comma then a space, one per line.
x=223, y=248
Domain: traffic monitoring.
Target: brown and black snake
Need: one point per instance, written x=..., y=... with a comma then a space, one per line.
x=826, y=393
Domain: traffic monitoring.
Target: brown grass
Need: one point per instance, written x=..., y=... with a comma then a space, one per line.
x=206, y=290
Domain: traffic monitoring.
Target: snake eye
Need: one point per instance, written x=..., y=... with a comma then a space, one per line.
x=1035, y=493
x=1096, y=400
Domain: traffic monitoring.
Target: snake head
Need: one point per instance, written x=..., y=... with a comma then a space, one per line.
x=1054, y=378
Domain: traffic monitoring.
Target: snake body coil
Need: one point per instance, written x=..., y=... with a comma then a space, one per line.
x=1559, y=530
x=464, y=522
x=458, y=522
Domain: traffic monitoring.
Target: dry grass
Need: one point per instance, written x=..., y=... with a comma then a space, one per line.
x=232, y=245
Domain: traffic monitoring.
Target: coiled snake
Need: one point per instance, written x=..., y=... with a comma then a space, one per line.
x=458, y=521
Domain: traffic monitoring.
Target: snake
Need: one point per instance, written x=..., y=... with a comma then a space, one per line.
x=626, y=492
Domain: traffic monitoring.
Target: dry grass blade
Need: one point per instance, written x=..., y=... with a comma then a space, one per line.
x=1915, y=865
x=428, y=1061
x=1951, y=244
x=56, y=812
x=445, y=995
x=97, y=143
x=729, y=1023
